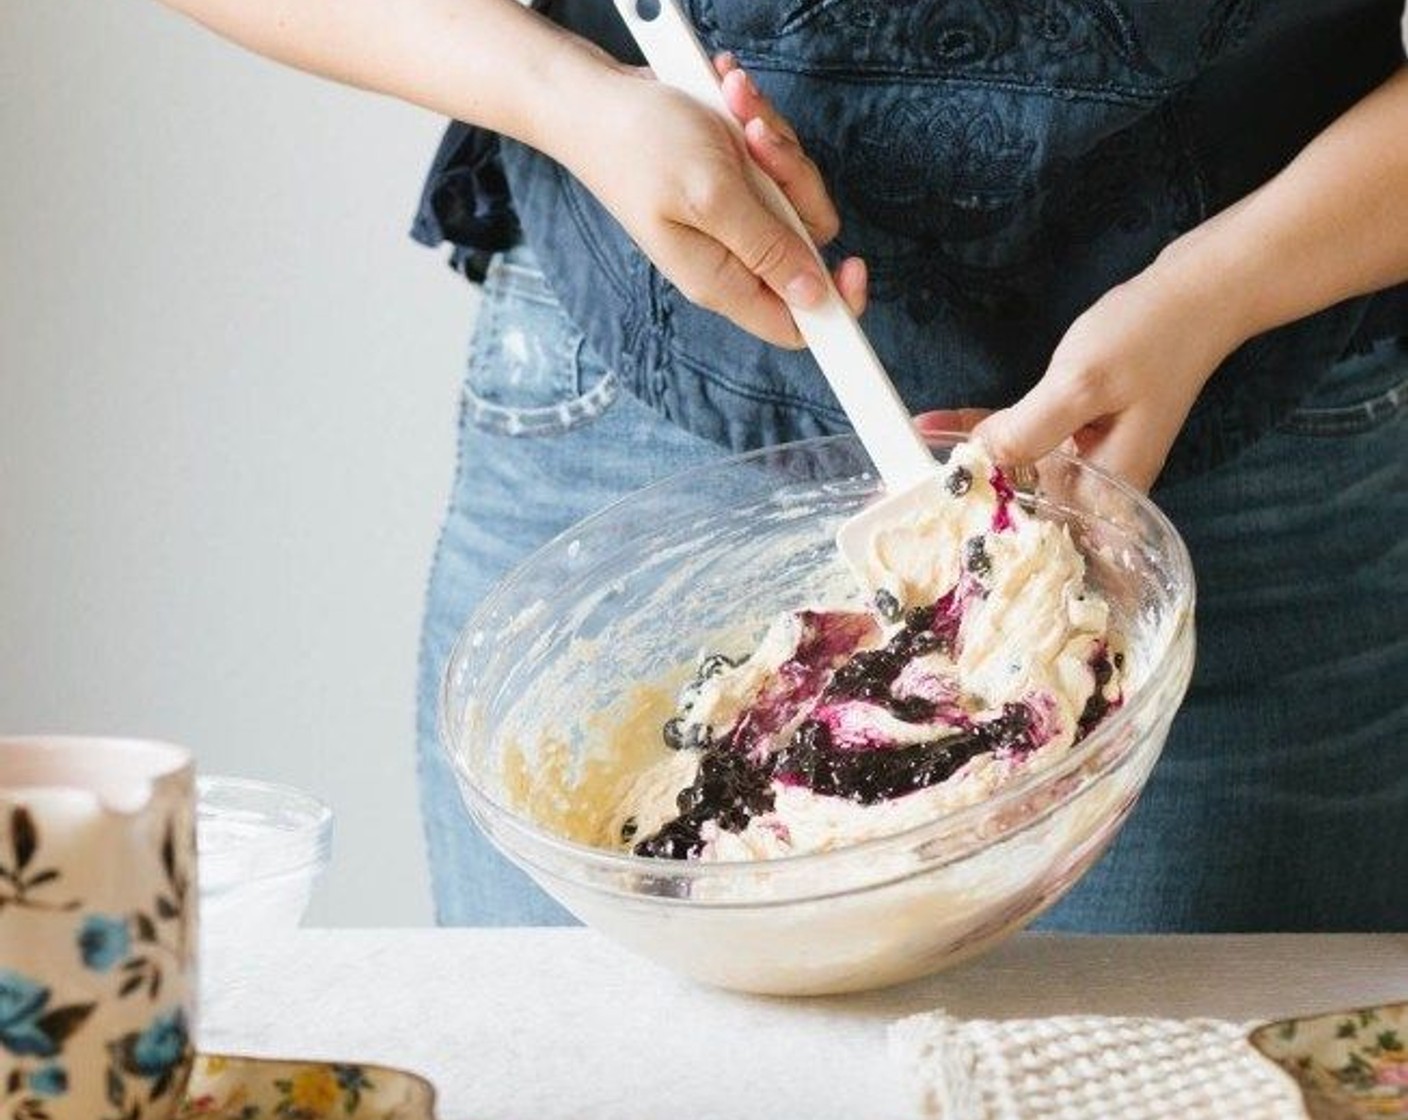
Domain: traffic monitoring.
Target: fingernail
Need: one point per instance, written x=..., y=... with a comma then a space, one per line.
x=765, y=131
x=727, y=61
x=804, y=290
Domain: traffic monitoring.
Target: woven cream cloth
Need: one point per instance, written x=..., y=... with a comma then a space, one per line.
x=1088, y=1068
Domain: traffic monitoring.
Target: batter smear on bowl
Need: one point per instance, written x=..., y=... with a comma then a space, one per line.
x=983, y=655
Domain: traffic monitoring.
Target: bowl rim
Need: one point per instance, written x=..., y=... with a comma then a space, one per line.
x=1106, y=735
x=283, y=850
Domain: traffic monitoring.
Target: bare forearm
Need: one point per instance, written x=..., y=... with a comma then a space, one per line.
x=669, y=169
x=488, y=62
x=1332, y=225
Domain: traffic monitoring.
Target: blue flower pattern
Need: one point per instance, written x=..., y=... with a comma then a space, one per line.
x=34, y=1030
x=158, y=1049
x=30, y=1028
x=48, y=1081
x=22, y=1003
x=103, y=941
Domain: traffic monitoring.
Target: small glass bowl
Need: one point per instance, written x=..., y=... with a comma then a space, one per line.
x=261, y=847
x=702, y=561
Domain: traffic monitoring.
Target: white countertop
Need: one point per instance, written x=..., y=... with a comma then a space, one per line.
x=549, y=1023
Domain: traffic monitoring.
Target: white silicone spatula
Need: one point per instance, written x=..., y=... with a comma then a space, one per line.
x=908, y=470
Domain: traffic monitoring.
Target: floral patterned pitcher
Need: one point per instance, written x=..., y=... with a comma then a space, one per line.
x=97, y=928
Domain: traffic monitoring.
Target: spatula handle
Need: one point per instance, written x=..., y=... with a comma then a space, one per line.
x=836, y=340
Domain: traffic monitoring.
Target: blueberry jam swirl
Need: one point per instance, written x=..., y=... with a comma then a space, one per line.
x=729, y=790
x=837, y=711
x=1103, y=665
x=1002, y=520
x=883, y=773
x=735, y=782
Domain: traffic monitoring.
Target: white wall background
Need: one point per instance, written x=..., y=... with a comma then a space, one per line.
x=227, y=396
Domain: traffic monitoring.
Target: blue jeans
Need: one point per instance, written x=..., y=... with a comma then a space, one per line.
x=1281, y=801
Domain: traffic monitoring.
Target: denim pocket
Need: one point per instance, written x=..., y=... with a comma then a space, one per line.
x=530, y=372
x=1358, y=395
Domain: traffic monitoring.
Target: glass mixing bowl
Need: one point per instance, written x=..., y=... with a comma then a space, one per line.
x=558, y=652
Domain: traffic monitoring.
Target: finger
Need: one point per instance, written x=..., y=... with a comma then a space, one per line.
x=768, y=247
x=1132, y=448
x=774, y=146
x=787, y=165
x=746, y=101
x=950, y=420
x=709, y=275
x=853, y=282
x=1040, y=421
x=724, y=62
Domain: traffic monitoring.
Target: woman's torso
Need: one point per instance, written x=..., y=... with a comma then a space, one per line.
x=999, y=164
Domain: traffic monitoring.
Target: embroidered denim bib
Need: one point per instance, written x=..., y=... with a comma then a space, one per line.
x=1000, y=164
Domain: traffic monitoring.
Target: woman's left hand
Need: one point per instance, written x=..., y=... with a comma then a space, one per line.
x=1329, y=226
x=1122, y=380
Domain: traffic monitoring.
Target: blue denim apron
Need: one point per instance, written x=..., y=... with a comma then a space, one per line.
x=999, y=163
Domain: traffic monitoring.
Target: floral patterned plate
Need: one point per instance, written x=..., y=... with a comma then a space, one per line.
x=226, y=1087
x=1350, y=1065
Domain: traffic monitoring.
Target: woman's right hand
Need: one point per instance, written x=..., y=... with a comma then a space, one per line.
x=670, y=170
x=673, y=174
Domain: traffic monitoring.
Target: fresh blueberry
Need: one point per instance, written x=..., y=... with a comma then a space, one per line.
x=887, y=605
x=673, y=733
x=976, y=558
x=673, y=841
x=688, y=799
x=959, y=482
x=698, y=737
